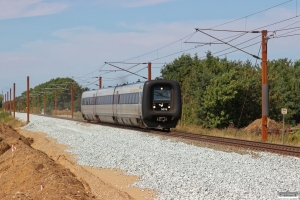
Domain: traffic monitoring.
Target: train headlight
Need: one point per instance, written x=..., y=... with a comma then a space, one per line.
x=169, y=107
x=161, y=88
x=154, y=106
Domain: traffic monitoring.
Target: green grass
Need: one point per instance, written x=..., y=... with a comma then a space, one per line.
x=5, y=117
x=77, y=114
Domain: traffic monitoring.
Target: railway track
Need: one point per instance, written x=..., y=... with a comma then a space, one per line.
x=245, y=144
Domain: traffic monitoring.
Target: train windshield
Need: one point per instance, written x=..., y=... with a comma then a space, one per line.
x=162, y=93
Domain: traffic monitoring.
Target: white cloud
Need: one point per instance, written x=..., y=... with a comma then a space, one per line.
x=28, y=8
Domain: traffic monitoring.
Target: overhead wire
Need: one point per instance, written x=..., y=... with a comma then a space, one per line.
x=122, y=77
x=252, y=14
x=236, y=45
x=192, y=34
x=284, y=36
x=90, y=83
x=231, y=36
x=266, y=26
x=163, y=46
x=233, y=46
x=94, y=70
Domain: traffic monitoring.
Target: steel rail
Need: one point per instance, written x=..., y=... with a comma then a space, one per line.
x=247, y=144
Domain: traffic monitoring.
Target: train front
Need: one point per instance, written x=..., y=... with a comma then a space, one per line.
x=161, y=104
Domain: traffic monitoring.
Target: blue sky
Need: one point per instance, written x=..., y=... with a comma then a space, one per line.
x=74, y=38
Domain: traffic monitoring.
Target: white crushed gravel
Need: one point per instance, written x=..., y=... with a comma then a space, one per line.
x=175, y=169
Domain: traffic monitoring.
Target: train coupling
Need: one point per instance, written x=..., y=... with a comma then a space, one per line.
x=161, y=119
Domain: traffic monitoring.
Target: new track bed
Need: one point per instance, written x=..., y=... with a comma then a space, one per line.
x=246, y=144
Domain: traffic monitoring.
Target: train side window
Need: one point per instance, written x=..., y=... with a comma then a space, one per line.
x=129, y=98
x=121, y=98
x=136, y=98
x=133, y=98
x=125, y=98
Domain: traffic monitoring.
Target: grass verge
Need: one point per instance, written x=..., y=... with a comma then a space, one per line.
x=5, y=117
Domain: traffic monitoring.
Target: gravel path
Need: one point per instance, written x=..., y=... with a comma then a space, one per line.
x=175, y=169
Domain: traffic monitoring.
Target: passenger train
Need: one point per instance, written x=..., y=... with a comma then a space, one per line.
x=152, y=104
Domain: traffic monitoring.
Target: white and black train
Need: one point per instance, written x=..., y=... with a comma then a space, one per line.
x=151, y=104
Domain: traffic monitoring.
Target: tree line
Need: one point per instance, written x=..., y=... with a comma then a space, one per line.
x=62, y=86
x=218, y=92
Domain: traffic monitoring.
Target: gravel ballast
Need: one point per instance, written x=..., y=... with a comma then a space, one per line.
x=175, y=169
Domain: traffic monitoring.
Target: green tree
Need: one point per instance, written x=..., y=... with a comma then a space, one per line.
x=62, y=87
x=217, y=92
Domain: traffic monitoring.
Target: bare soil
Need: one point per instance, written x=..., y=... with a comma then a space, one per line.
x=39, y=168
x=273, y=126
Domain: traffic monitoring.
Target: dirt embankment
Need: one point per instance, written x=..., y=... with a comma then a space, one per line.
x=30, y=174
x=273, y=126
x=38, y=168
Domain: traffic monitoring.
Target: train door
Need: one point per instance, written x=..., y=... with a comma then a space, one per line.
x=115, y=105
x=94, y=104
x=140, y=103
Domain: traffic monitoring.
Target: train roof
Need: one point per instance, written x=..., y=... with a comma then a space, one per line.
x=108, y=89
